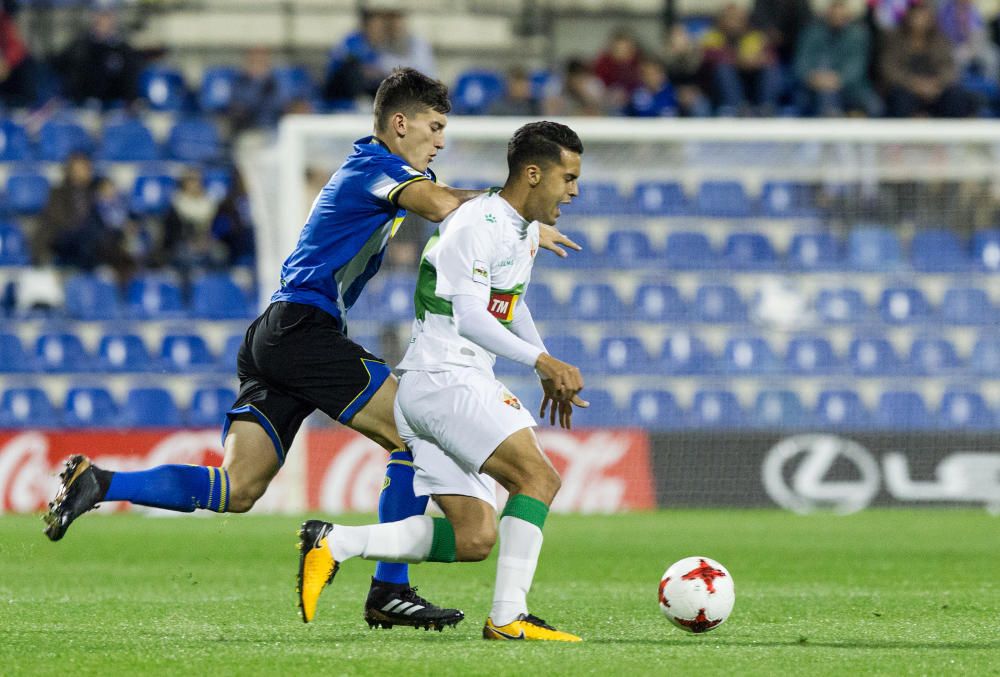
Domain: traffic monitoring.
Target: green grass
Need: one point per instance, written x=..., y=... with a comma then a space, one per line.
x=883, y=592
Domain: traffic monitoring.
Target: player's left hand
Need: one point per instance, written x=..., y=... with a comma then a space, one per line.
x=550, y=238
x=558, y=407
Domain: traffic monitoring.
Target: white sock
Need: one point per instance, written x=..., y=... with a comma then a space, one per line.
x=520, y=545
x=407, y=540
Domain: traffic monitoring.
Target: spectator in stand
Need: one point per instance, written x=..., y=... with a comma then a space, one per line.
x=687, y=72
x=831, y=65
x=783, y=22
x=405, y=48
x=17, y=78
x=124, y=244
x=66, y=232
x=887, y=15
x=233, y=225
x=581, y=93
x=100, y=64
x=618, y=66
x=919, y=71
x=254, y=101
x=518, y=97
x=962, y=23
x=188, y=241
x=744, y=67
x=654, y=97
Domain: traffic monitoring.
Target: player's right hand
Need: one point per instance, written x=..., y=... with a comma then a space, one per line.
x=566, y=379
x=563, y=408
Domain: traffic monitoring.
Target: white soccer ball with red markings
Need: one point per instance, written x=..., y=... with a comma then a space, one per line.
x=697, y=594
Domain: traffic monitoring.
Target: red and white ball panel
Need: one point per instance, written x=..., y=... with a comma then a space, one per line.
x=697, y=594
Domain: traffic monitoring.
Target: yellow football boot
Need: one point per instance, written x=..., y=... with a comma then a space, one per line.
x=527, y=627
x=316, y=566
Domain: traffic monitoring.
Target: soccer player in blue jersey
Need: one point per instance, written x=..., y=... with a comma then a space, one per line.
x=296, y=357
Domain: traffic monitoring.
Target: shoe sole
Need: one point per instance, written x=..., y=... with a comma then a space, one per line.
x=304, y=547
x=377, y=619
x=75, y=466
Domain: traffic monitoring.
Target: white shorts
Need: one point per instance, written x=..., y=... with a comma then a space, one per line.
x=453, y=421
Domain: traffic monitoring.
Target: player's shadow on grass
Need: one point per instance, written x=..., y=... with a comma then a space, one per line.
x=850, y=645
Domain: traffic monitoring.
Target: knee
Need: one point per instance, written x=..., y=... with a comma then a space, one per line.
x=243, y=495
x=542, y=483
x=475, y=546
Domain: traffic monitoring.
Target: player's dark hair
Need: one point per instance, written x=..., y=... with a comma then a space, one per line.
x=540, y=143
x=408, y=91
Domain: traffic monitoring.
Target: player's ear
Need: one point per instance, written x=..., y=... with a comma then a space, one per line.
x=398, y=123
x=534, y=174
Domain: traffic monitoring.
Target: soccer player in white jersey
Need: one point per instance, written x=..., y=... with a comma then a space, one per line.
x=464, y=427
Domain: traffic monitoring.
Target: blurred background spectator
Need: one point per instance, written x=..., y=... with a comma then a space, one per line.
x=618, y=66
x=745, y=70
x=100, y=64
x=687, y=71
x=233, y=224
x=255, y=93
x=962, y=23
x=581, y=92
x=654, y=97
x=17, y=77
x=783, y=22
x=519, y=97
x=188, y=239
x=67, y=233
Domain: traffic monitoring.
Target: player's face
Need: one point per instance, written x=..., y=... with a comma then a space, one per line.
x=424, y=138
x=558, y=185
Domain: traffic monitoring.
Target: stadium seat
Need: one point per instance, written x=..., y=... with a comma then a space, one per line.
x=14, y=145
x=683, y=353
x=476, y=90
x=13, y=245
x=629, y=249
x=194, y=140
x=841, y=306
x=661, y=199
x=603, y=412
x=153, y=297
x=542, y=302
x=209, y=406
x=985, y=359
x=722, y=199
x=968, y=306
x=58, y=352
x=292, y=83
x=217, y=181
x=659, y=302
x=873, y=356
x=811, y=355
x=749, y=251
x=541, y=80
x=598, y=197
x=596, y=302
x=127, y=140
x=88, y=297
x=874, y=249
x=623, y=355
x=716, y=409
x=719, y=303
x=568, y=348
x=150, y=408
x=185, y=352
x=690, y=251
x=396, y=299
x=163, y=87
x=124, y=353
x=813, y=251
x=748, y=355
x=90, y=407
x=151, y=194
x=938, y=251
x=27, y=408
x=216, y=92
x=903, y=305
x=779, y=409
x=13, y=357
x=59, y=138
x=27, y=192
x=962, y=409
x=217, y=297
x=902, y=410
x=655, y=409
x=986, y=250
x=933, y=356
x=231, y=348
x=585, y=259
x=841, y=409
x=780, y=199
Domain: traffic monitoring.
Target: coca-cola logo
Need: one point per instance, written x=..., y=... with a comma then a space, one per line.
x=353, y=479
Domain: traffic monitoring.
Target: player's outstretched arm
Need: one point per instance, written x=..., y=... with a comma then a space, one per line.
x=549, y=237
x=431, y=201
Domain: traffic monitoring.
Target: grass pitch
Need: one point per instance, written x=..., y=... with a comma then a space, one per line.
x=883, y=592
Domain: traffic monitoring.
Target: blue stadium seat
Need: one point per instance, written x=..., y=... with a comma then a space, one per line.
x=124, y=353
x=476, y=90
x=127, y=140
x=874, y=249
x=968, y=306
x=596, y=302
x=194, y=140
x=163, y=87
x=841, y=305
x=903, y=305
x=749, y=251
x=217, y=297
x=938, y=251
x=153, y=297
x=13, y=245
x=779, y=409
x=873, y=356
x=396, y=299
x=658, y=302
x=598, y=197
x=781, y=199
x=985, y=359
x=585, y=259
x=683, y=353
x=231, y=348
x=962, y=409
x=541, y=79
x=690, y=251
x=603, y=412
x=90, y=407
x=150, y=408
x=623, y=355
x=654, y=198
x=59, y=138
x=986, y=250
x=568, y=348
x=13, y=357
x=722, y=199
x=933, y=356
x=542, y=302
x=14, y=145
x=27, y=192
x=655, y=409
x=216, y=92
x=902, y=410
x=57, y=352
x=841, y=409
x=716, y=409
x=811, y=355
x=88, y=297
x=209, y=406
x=27, y=408
x=748, y=355
x=719, y=303
x=185, y=352
x=814, y=251
x=292, y=83
x=151, y=194
x=629, y=249
x=217, y=181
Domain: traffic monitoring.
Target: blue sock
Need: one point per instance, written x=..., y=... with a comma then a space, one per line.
x=397, y=502
x=175, y=487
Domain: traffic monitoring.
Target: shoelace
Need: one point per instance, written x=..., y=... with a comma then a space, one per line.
x=531, y=618
x=410, y=595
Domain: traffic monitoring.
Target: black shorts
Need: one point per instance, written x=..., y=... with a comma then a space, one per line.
x=295, y=359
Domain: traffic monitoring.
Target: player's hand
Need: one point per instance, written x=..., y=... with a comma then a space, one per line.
x=561, y=408
x=550, y=238
x=566, y=379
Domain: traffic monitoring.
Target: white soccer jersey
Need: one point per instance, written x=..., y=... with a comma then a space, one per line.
x=484, y=249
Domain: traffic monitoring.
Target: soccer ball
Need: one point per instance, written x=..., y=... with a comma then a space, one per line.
x=697, y=594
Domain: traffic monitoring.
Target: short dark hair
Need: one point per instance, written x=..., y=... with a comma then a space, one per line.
x=540, y=142
x=407, y=90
